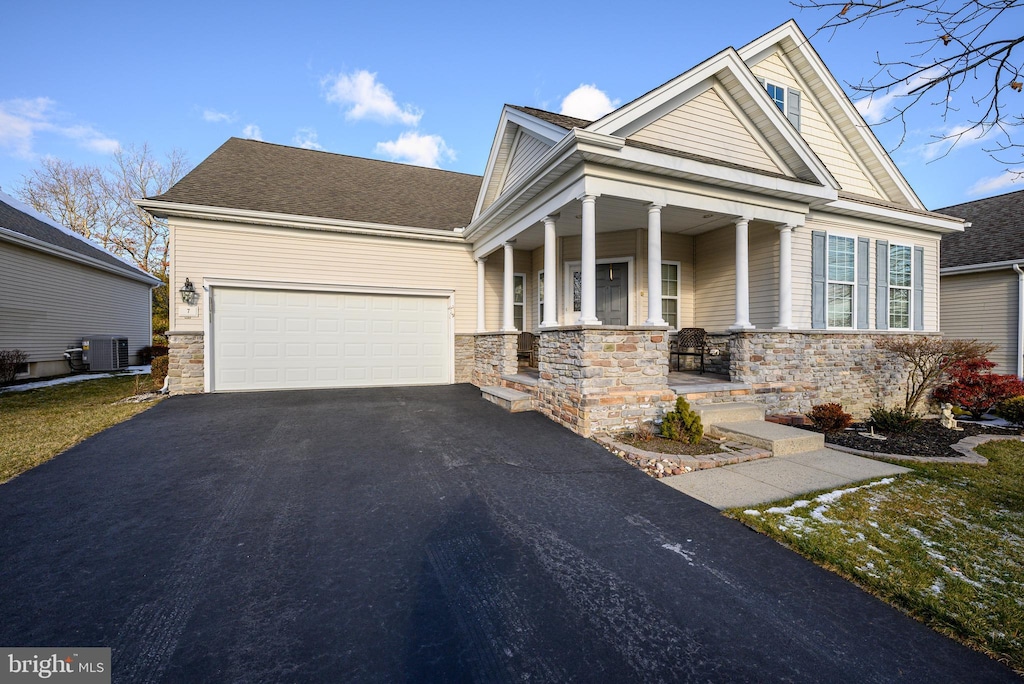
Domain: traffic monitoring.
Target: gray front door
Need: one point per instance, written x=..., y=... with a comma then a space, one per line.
x=613, y=294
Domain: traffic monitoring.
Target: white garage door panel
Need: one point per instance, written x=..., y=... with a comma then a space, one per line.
x=278, y=339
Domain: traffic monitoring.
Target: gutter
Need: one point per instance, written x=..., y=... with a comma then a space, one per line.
x=1020, y=320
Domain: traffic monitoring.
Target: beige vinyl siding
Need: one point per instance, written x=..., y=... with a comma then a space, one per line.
x=763, y=245
x=494, y=287
x=802, y=266
x=715, y=287
x=818, y=132
x=49, y=303
x=213, y=250
x=983, y=306
x=707, y=126
x=500, y=161
x=528, y=150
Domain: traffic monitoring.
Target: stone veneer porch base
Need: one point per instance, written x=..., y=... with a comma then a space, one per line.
x=185, y=359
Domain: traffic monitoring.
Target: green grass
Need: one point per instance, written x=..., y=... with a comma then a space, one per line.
x=944, y=543
x=36, y=425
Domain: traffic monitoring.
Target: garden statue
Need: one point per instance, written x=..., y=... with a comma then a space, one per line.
x=947, y=420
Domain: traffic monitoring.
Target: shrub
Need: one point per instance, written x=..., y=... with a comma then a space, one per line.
x=147, y=354
x=11, y=361
x=896, y=419
x=1012, y=411
x=159, y=371
x=927, y=359
x=975, y=388
x=643, y=432
x=830, y=417
x=682, y=424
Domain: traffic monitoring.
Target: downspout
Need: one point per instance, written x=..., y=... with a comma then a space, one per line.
x=1020, y=320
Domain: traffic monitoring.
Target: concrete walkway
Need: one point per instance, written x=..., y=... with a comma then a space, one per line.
x=779, y=477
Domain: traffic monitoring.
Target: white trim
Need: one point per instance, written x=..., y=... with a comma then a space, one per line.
x=508, y=162
x=887, y=214
x=678, y=296
x=909, y=288
x=1020, y=320
x=23, y=240
x=570, y=317
x=212, y=282
x=852, y=284
x=978, y=268
x=162, y=209
x=785, y=95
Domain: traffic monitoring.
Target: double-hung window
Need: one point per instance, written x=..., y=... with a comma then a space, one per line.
x=842, y=274
x=518, y=300
x=778, y=95
x=785, y=98
x=900, y=284
x=670, y=293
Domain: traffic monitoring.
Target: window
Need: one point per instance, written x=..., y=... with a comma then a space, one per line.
x=518, y=300
x=778, y=94
x=670, y=293
x=900, y=282
x=540, y=296
x=842, y=273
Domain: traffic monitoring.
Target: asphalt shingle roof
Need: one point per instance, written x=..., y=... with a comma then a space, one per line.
x=996, y=232
x=259, y=176
x=13, y=218
x=566, y=122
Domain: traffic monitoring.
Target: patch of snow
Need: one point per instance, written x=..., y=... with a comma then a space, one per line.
x=873, y=524
x=751, y=511
x=955, y=572
x=872, y=547
x=937, y=587
x=678, y=548
x=132, y=370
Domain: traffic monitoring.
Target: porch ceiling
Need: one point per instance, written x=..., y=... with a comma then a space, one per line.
x=617, y=213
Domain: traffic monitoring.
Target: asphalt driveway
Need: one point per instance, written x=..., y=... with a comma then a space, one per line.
x=416, y=535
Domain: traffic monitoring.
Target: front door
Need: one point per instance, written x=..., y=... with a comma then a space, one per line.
x=613, y=294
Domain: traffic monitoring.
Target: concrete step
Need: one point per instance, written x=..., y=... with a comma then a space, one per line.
x=781, y=440
x=507, y=398
x=728, y=412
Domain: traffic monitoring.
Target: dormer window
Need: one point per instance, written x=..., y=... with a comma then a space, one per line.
x=778, y=94
x=786, y=99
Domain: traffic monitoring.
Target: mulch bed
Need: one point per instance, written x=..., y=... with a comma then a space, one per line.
x=929, y=439
x=670, y=446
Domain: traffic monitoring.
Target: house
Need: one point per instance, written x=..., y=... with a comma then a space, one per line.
x=746, y=196
x=58, y=288
x=982, y=282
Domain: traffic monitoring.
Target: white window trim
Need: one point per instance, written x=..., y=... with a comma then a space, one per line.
x=909, y=288
x=829, y=281
x=572, y=317
x=522, y=304
x=785, y=95
x=540, y=297
x=679, y=282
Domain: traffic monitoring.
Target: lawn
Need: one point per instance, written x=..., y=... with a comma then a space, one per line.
x=945, y=543
x=36, y=425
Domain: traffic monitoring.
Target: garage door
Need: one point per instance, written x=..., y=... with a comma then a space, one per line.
x=286, y=339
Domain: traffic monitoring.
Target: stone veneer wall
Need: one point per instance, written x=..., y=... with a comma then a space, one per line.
x=465, y=357
x=603, y=379
x=185, y=359
x=495, y=355
x=793, y=371
x=716, y=358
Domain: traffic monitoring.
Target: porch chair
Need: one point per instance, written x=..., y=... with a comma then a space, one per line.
x=688, y=342
x=526, y=348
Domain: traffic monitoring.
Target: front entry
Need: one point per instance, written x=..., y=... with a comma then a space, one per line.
x=612, y=285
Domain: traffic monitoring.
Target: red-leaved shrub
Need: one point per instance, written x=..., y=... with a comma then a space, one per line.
x=830, y=417
x=975, y=388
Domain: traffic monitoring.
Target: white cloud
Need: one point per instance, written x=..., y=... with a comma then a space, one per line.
x=959, y=136
x=414, y=148
x=875, y=108
x=213, y=116
x=367, y=98
x=306, y=139
x=587, y=102
x=252, y=132
x=993, y=184
x=21, y=121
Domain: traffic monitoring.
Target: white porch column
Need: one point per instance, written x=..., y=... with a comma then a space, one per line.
x=508, y=321
x=481, y=319
x=785, y=277
x=588, y=263
x=550, y=274
x=742, y=277
x=654, y=316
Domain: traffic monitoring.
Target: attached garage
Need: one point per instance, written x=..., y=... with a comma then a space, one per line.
x=266, y=338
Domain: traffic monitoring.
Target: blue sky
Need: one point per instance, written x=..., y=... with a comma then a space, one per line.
x=413, y=82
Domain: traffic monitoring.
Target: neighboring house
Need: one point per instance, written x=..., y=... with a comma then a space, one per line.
x=746, y=196
x=57, y=287
x=982, y=279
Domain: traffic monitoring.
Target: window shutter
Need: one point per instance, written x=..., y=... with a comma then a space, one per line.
x=863, y=252
x=881, y=285
x=793, y=105
x=819, y=257
x=918, y=280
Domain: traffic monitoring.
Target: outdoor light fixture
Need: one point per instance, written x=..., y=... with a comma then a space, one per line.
x=188, y=293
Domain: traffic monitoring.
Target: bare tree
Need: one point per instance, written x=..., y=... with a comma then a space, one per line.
x=959, y=46
x=98, y=203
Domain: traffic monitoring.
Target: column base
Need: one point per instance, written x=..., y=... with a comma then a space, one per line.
x=588, y=321
x=657, y=323
x=741, y=326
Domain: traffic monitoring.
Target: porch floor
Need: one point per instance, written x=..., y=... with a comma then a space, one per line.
x=691, y=382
